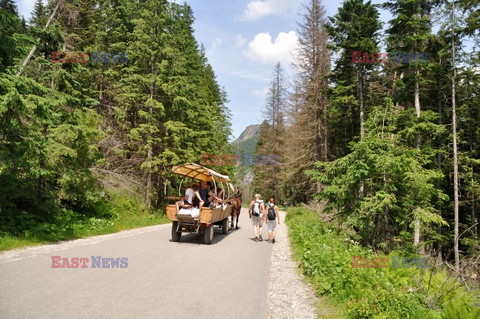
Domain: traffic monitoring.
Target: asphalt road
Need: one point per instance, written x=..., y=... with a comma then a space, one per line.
x=227, y=279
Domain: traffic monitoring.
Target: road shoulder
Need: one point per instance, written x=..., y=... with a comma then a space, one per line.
x=288, y=295
x=28, y=252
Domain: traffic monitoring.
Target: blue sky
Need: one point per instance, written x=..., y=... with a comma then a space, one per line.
x=243, y=40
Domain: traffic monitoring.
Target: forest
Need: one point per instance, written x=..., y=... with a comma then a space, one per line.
x=86, y=139
x=376, y=132
x=380, y=126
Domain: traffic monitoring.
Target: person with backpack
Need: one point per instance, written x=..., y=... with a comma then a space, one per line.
x=256, y=210
x=273, y=218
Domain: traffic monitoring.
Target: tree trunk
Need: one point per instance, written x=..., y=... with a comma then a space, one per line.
x=455, y=155
x=150, y=146
x=439, y=254
x=148, y=197
x=361, y=190
x=385, y=212
x=360, y=100
x=149, y=158
x=474, y=217
x=325, y=132
x=416, y=221
x=34, y=48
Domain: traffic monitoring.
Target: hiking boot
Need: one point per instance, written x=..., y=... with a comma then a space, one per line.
x=260, y=238
x=273, y=241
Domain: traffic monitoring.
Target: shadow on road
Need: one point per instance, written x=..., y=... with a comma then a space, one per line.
x=197, y=239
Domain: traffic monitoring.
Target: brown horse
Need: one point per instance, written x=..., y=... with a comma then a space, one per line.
x=236, y=207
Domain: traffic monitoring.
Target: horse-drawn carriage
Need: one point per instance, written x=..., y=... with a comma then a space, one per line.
x=204, y=218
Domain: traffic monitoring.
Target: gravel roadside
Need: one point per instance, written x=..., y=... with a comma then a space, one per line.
x=288, y=295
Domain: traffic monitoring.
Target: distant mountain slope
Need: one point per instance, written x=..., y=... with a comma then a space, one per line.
x=247, y=141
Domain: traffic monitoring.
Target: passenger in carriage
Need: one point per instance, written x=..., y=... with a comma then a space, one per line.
x=216, y=200
x=211, y=194
x=187, y=200
x=221, y=195
x=220, y=192
x=204, y=196
x=197, y=200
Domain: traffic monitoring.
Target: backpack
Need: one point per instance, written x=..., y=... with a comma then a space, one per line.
x=271, y=213
x=256, y=208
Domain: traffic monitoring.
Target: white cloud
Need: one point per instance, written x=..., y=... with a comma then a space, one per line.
x=258, y=9
x=261, y=92
x=240, y=40
x=263, y=49
x=247, y=75
x=216, y=44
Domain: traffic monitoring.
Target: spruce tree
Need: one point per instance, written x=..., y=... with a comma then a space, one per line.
x=39, y=16
x=307, y=137
x=11, y=26
x=269, y=152
x=396, y=182
x=410, y=33
x=354, y=31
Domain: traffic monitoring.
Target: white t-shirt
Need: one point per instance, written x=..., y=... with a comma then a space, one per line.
x=190, y=193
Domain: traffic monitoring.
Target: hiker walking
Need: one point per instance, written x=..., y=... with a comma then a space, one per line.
x=273, y=219
x=256, y=211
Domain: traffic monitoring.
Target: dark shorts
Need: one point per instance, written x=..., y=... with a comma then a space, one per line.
x=196, y=203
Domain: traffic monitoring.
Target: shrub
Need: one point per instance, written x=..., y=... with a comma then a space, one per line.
x=324, y=252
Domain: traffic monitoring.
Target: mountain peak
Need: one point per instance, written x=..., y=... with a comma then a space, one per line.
x=250, y=131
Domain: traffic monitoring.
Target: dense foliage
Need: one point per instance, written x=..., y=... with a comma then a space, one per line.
x=373, y=141
x=74, y=134
x=325, y=254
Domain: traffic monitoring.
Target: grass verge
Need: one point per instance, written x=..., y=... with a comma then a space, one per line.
x=325, y=256
x=118, y=213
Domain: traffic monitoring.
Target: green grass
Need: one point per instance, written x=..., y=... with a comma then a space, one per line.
x=118, y=213
x=324, y=253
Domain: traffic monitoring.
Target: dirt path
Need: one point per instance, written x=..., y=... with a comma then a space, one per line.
x=288, y=295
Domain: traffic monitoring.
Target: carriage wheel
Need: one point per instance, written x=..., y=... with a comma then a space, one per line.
x=225, y=226
x=208, y=235
x=176, y=235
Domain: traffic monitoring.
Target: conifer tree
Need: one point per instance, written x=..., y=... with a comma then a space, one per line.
x=11, y=25
x=354, y=31
x=308, y=135
x=39, y=17
x=270, y=147
x=397, y=182
x=410, y=33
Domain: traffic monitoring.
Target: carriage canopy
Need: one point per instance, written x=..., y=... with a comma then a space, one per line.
x=201, y=173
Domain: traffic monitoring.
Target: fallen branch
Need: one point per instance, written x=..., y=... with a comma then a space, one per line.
x=34, y=48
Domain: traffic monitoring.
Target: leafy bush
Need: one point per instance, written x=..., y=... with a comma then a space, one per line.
x=325, y=255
